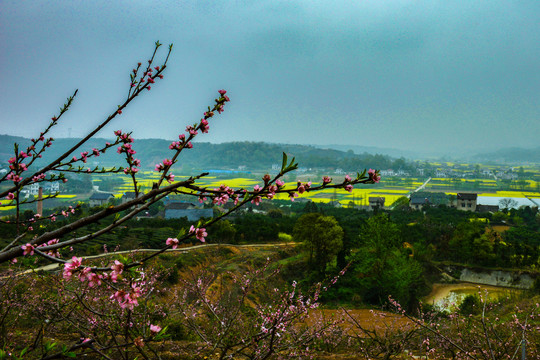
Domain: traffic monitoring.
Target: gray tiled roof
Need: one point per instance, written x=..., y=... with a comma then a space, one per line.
x=190, y=214
x=101, y=196
x=467, y=196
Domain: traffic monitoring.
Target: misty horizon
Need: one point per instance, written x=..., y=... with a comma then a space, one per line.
x=429, y=77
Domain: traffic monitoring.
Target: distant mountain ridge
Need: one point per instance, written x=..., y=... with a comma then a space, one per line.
x=231, y=155
x=258, y=155
x=359, y=149
x=511, y=155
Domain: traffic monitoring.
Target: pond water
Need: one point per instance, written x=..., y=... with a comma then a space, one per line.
x=494, y=200
x=447, y=297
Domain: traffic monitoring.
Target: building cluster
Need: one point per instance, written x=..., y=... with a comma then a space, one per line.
x=463, y=201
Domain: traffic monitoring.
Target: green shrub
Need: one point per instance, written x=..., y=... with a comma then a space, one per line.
x=470, y=305
x=282, y=237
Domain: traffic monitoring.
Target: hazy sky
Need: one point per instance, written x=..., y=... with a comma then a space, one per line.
x=426, y=75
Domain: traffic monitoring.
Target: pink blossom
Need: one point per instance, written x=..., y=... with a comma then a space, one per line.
x=326, y=180
x=154, y=329
x=280, y=183
x=189, y=145
x=37, y=178
x=169, y=178
x=28, y=249
x=94, y=279
x=222, y=92
x=117, y=267
x=10, y=196
x=204, y=126
x=191, y=130
x=85, y=274
x=257, y=188
x=127, y=300
x=14, y=177
x=199, y=233
x=292, y=195
x=167, y=162
x=256, y=200
x=182, y=137
x=173, y=242
x=70, y=266
x=119, y=296
x=348, y=178
x=221, y=200
x=373, y=175
x=159, y=167
x=301, y=189
x=349, y=188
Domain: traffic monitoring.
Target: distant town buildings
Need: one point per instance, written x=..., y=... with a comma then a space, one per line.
x=100, y=198
x=466, y=201
x=376, y=202
x=417, y=203
x=177, y=210
x=128, y=196
x=487, y=208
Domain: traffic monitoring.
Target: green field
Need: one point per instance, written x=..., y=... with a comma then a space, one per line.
x=390, y=188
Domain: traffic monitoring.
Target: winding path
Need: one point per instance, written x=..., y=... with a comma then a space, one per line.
x=421, y=187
